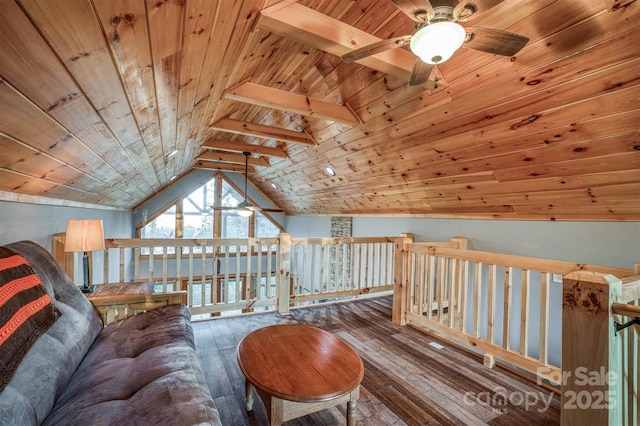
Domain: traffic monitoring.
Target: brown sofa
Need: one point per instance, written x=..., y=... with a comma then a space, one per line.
x=140, y=371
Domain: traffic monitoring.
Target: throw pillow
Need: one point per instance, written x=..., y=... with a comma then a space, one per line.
x=26, y=311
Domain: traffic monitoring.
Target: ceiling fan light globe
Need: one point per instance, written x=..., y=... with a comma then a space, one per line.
x=437, y=42
x=244, y=212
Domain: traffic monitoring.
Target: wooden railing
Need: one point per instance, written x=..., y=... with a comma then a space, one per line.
x=549, y=318
x=329, y=268
x=601, y=374
x=507, y=307
x=249, y=274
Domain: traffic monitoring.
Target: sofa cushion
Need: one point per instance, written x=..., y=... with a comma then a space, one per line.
x=142, y=370
x=26, y=311
x=47, y=367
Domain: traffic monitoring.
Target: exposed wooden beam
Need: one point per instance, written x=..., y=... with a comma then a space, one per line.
x=225, y=167
x=225, y=157
x=262, y=131
x=223, y=145
x=313, y=28
x=257, y=94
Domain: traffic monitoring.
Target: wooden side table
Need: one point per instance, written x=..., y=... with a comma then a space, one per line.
x=298, y=370
x=117, y=301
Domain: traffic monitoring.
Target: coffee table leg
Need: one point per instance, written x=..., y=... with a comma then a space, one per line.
x=351, y=413
x=248, y=399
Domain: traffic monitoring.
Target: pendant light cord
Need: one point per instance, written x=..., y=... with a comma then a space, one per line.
x=246, y=171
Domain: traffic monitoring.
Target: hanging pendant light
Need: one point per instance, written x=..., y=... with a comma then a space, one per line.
x=245, y=209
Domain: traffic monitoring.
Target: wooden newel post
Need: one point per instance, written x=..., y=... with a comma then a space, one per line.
x=400, y=279
x=284, y=273
x=591, y=382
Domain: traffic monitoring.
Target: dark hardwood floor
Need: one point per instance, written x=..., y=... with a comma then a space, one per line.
x=408, y=378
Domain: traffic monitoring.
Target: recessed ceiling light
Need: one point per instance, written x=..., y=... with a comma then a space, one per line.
x=171, y=154
x=330, y=171
x=274, y=186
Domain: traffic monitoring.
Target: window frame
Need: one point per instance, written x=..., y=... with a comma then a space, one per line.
x=217, y=214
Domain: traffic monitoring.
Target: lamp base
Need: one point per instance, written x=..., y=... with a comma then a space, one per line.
x=88, y=289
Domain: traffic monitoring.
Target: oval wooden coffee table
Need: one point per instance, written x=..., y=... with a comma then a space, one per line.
x=298, y=370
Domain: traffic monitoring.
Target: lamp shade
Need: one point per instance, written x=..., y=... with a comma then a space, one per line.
x=437, y=42
x=84, y=235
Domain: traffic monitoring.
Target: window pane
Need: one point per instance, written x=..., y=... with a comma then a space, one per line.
x=164, y=226
x=265, y=228
x=233, y=225
x=197, y=213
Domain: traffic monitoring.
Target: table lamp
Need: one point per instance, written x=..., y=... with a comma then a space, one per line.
x=84, y=235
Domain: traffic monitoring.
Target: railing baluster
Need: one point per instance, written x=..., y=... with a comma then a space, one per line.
x=178, y=251
x=136, y=264
x=543, y=344
x=164, y=268
x=477, y=296
x=240, y=283
x=121, y=251
x=431, y=285
x=151, y=262
x=203, y=275
x=506, y=316
x=464, y=288
x=190, y=282
x=491, y=304
x=227, y=267
x=452, y=296
x=258, y=274
x=524, y=312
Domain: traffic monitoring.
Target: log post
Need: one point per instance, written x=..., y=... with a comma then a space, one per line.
x=400, y=279
x=462, y=243
x=591, y=381
x=284, y=274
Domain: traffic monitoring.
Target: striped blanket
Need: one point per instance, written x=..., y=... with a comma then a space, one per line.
x=26, y=311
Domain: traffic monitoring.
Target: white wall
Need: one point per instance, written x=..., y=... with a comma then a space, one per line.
x=38, y=222
x=602, y=243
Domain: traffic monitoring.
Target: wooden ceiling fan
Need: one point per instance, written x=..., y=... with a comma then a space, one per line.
x=245, y=208
x=438, y=35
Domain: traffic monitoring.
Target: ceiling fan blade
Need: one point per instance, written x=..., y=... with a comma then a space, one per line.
x=415, y=8
x=377, y=47
x=495, y=41
x=467, y=10
x=421, y=73
x=271, y=210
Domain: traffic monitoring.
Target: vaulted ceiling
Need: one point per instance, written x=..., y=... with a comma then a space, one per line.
x=104, y=102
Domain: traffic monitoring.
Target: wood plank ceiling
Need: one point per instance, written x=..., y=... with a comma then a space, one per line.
x=96, y=95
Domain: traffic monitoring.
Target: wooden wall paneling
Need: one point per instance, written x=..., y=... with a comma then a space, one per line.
x=558, y=43
x=209, y=82
x=127, y=35
x=223, y=58
x=26, y=62
x=17, y=119
x=200, y=16
x=21, y=158
x=165, y=21
x=84, y=53
x=12, y=181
